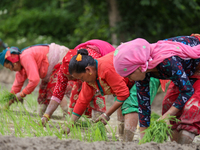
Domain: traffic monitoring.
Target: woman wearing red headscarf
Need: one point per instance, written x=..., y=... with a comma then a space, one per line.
x=35, y=63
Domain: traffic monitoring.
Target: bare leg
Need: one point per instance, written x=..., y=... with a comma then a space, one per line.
x=185, y=137
x=64, y=106
x=41, y=109
x=174, y=135
x=120, y=119
x=130, y=126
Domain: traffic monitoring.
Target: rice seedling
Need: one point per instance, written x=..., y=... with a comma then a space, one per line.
x=158, y=130
x=22, y=121
x=99, y=132
x=93, y=131
x=5, y=97
x=154, y=116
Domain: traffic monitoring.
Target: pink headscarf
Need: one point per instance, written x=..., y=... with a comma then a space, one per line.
x=139, y=53
x=100, y=46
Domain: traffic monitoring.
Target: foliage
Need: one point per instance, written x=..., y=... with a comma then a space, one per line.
x=92, y=131
x=69, y=23
x=158, y=130
x=21, y=121
x=155, y=20
x=6, y=96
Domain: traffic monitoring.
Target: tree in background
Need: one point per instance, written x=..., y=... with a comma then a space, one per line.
x=70, y=22
x=155, y=19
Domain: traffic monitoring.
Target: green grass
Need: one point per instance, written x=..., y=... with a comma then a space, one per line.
x=21, y=120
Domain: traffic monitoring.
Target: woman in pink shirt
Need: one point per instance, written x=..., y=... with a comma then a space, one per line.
x=35, y=63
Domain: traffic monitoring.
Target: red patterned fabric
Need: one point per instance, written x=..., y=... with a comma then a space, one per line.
x=63, y=86
x=189, y=116
x=110, y=82
x=46, y=89
x=12, y=57
x=196, y=35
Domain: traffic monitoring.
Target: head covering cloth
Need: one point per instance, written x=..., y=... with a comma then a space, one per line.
x=11, y=54
x=139, y=53
x=100, y=46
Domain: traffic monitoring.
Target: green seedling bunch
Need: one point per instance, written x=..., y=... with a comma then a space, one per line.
x=21, y=120
x=84, y=122
x=86, y=130
x=154, y=116
x=98, y=131
x=158, y=130
x=6, y=96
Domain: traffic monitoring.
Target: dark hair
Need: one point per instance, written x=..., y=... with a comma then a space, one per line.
x=9, y=62
x=79, y=66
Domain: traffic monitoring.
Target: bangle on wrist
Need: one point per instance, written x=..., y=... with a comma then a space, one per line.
x=46, y=116
x=108, y=118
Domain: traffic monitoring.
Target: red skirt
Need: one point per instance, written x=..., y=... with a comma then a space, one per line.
x=189, y=116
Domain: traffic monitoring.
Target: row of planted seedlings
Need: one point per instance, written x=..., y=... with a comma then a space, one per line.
x=18, y=120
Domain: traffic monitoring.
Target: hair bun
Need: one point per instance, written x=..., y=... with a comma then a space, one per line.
x=82, y=52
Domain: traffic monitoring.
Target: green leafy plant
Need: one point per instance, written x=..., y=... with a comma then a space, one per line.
x=158, y=130
x=99, y=132
x=21, y=121
x=6, y=96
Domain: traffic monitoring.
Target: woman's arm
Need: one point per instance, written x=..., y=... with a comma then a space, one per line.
x=20, y=78
x=30, y=66
x=84, y=98
x=181, y=80
x=57, y=96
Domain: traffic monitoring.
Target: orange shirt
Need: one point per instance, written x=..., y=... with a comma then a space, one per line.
x=110, y=83
x=35, y=64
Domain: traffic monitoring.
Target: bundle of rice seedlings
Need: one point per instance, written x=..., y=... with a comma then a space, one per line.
x=84, y=122
x=158, y=130
x=98, y=131
x=154, y=116
x=5, y=97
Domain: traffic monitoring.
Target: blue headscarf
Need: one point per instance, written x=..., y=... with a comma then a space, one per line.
x=13, y=50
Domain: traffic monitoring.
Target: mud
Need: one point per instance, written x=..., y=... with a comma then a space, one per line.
x=52, y=143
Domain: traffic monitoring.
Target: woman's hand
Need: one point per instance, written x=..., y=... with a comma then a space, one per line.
x=44, y=121
x=103, y=118
x=65, y=130
x=70, y=124
x=45, y=118
x=19, y=98
x=171, y=112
